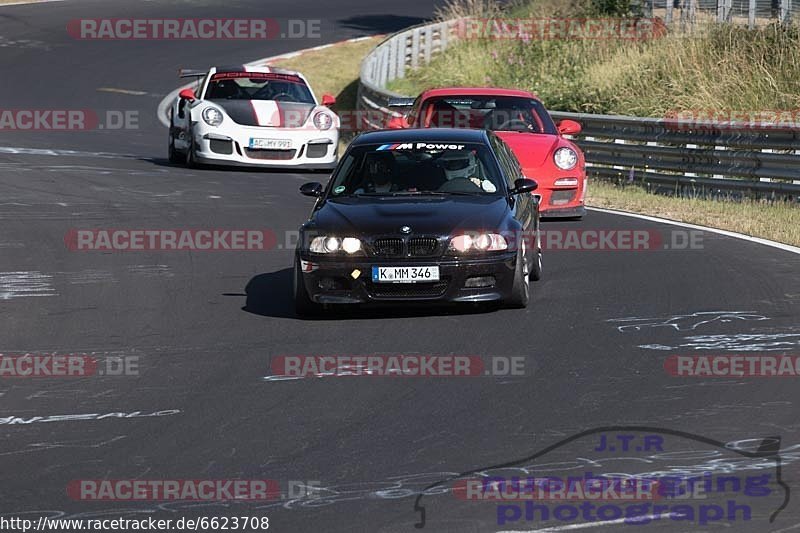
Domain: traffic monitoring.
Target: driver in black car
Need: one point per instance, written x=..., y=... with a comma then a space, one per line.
x=379, y=169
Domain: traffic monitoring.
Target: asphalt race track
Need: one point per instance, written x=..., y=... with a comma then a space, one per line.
x=205, y=325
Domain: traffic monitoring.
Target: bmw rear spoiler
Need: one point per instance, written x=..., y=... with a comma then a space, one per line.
x=401, y=102
x=189, y=73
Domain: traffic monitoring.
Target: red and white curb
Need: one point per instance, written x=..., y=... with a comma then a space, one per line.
x=166, y=103
x=28, y=2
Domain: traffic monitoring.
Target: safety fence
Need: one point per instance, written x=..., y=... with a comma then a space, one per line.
x=697, y=156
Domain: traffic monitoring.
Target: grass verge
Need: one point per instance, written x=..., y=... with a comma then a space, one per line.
x=334, y=70
x=773, y=221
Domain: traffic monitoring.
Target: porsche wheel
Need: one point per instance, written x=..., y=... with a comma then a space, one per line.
x=190, y=160
x=174, y=156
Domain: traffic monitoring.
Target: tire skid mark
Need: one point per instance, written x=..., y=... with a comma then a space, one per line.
x=26, y=284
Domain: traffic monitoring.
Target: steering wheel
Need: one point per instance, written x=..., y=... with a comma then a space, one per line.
x=279, y=95
x=458, y=185
x=235, y=96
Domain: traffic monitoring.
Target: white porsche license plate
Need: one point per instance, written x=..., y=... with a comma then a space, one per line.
x=270, y=144
x=410, y=274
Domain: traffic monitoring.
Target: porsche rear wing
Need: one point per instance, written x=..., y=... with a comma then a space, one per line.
x=190, y=73
x=401, y=102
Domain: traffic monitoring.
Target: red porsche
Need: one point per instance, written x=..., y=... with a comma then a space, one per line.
x=522, y=121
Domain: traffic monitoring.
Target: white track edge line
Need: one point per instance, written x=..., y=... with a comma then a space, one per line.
x=742, y=236
x=585, y=525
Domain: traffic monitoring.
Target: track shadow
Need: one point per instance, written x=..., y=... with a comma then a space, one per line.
x=346, y=99
x=271, y=295
x=164, y=162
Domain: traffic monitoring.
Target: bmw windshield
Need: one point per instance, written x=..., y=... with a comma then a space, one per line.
x=416, y=168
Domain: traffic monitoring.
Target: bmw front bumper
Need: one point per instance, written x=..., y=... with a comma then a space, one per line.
x=349, y=281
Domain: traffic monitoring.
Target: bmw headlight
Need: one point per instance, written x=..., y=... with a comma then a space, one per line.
x=332, y=245
x=565, y=158
x=481, y=242
x=212, y=116
x=323, y=120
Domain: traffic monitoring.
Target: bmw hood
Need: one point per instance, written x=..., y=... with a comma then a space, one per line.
x=266, y=113
x=424, y=215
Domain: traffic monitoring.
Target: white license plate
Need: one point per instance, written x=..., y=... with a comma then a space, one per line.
x=270, y=144
x=410, y=274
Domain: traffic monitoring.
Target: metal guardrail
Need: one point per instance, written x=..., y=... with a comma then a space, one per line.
x=391, y=59
x=705, y=160
x=733, y=160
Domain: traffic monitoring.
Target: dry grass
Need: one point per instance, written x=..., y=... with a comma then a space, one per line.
x=777, y=222
x=334, y=70
x=720, y=67
x=453, y=9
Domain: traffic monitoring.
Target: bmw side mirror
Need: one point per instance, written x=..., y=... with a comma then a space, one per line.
x=311, y=189
x=523, y=185
x=328, y=100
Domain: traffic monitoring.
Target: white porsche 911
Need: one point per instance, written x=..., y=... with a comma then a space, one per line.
x=258, y=116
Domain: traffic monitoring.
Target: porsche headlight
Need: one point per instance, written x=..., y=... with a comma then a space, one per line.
x=482, y=242
x=212, y=116
x=323, y=120
x=565, y=158
x=332, y=245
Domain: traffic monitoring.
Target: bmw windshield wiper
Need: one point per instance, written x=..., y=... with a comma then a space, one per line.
x=402, y=193
x=418, y=193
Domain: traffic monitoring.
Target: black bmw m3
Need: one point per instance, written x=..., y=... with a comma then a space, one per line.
x=429, y=215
